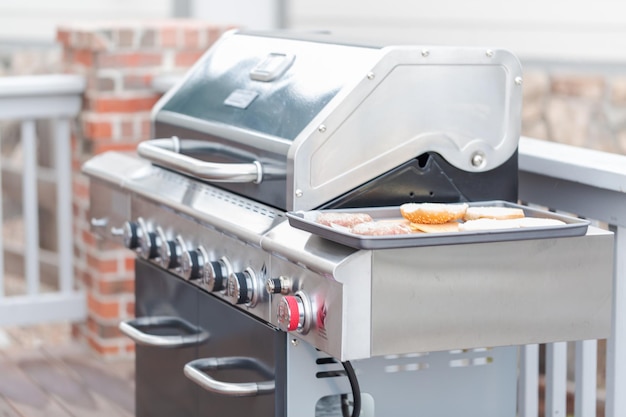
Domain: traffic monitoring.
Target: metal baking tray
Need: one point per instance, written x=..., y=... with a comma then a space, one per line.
x=306, y=220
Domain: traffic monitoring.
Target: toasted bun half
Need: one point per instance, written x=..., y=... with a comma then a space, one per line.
x=432, y=213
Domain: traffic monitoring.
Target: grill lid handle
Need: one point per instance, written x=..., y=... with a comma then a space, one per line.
x=165, y=152
x=195, y=370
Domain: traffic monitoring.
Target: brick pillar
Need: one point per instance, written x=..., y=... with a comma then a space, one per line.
x=119, y=62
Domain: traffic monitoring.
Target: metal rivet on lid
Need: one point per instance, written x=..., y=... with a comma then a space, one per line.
x=519, y=80
x=489, y=53
x=425, y=52
x=371, y=76
x=322, y=128
x=478, y=159
x=299, y=193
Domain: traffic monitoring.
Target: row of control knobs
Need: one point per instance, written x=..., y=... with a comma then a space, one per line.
x=216, y=275
x=194, y=264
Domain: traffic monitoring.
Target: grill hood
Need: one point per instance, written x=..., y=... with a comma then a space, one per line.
x=297, y=122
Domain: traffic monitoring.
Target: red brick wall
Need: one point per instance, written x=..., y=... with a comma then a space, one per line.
x=119, y=62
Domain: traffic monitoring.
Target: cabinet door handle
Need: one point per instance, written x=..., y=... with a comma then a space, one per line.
x=195, y=370
x=189, y=335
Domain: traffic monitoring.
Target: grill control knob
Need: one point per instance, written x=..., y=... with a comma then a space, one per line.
x=241, y=287
x=169, y=251
x=294, y=313
x=193, y=263
x=216, y=274
x=130, y=235
x=280, y=285
x=148, y=241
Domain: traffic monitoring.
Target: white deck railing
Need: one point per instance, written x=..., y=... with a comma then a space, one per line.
x=590, y=184
x=27, y=99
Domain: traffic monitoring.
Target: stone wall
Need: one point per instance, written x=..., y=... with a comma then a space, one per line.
x=575, y=105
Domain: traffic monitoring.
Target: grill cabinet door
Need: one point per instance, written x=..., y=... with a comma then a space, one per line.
x=237, y=334
x=162, y=390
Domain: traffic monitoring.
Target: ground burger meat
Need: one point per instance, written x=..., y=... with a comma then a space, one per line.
x=343, y=219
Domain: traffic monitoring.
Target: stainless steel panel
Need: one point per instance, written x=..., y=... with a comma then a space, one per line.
x=318, y=254
x=198, y=128
x=507, y=293
x=335, y=278
x=282, y=106
x=116, y=168
x=109, y=209
x=326, y=298
x=461, y=103
x=244, y=218
x=481, y=382
x=240, y=254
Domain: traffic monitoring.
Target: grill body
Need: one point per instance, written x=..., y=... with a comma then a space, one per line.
x=266, y=125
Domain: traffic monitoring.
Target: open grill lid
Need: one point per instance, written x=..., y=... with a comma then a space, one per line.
x=298, y=122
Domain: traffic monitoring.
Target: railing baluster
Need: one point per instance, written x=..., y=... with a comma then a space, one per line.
x=28, y=99
x=556, y=379
x=586, y=378
x=575, y=180
x=529, y=381
x=616, y=344
x=29, y=206
x=62, y=156
x=1, y=231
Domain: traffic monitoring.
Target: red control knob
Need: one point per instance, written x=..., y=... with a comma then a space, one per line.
x=290, y=313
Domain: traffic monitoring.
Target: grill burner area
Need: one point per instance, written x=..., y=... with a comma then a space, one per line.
x=358, y=303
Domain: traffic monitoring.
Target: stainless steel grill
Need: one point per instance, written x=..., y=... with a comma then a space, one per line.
x=264, y=125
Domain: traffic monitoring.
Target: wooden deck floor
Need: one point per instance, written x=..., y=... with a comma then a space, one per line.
x=61, y=378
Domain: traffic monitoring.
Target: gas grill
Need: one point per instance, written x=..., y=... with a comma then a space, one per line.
x=240, y=310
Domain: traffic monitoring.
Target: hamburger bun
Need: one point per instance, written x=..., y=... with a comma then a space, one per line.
x=432, y=213
x=497, y=213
